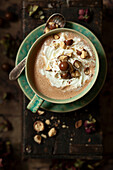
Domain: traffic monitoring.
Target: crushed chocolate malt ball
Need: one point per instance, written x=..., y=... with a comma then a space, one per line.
x=52, y=132
x=38, y=126
x=37, y=139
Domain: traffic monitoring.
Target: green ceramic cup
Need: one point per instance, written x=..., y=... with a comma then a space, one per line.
x=38, y=98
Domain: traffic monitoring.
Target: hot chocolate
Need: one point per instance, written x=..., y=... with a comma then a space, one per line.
x=63, y=66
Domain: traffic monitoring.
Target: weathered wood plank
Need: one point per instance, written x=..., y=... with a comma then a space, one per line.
x=67, y=3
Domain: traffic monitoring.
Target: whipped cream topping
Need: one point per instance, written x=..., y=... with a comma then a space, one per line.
x=50, y=55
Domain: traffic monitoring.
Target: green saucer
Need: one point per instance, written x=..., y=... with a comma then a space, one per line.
x=23, y=50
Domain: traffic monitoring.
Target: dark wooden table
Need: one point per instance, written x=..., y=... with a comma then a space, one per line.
x=69, y=142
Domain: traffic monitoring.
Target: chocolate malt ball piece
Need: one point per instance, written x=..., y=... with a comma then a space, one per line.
x=68, y=42
x=64, y=66
x=65, y=75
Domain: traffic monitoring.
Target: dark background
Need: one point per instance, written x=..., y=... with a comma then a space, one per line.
x=11, y=106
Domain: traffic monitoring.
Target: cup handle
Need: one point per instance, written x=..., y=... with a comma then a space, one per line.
x=35, y=103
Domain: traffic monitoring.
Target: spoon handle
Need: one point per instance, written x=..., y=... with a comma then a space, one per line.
x=15, y=73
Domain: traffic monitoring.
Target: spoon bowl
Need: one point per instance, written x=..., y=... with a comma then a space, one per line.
x=58, y=19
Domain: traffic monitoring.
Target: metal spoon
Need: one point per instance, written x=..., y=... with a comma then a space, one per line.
x=16, y=72
x=56, y=18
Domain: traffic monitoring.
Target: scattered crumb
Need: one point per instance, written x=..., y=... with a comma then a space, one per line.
x=67, y=127
x=63, y=126
x=56, y=124
x=58, y=121
x=78, y=124
x=47, y=122
x=52, y=117
x=40, y=112
x=37, y=139
x=52, y=132
x=43, y=135
x=89, y=140
x=71, y=139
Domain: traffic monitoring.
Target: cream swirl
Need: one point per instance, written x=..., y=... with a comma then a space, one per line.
x=51, y=54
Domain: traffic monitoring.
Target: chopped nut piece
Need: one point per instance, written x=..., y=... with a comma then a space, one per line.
x=78, y=124
x=87, y=70
x=56, y=45
x=37, y=139
x=62, y=45
x=47, y=122
x=67, y=47
x=52, y=132
x=52, y=25
x=84, y=54
x=78, y=52
x=73, y=49
x=63, y=57
x=48, y=68
x=70, y=54
x=56, y=37
x=46, y=30
x=75, y=74
x=40, y=112
x=77, y=64
x=43, y=135
x=68, y=42
x=38, y=126
x=56, y=75
x=56, y=25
